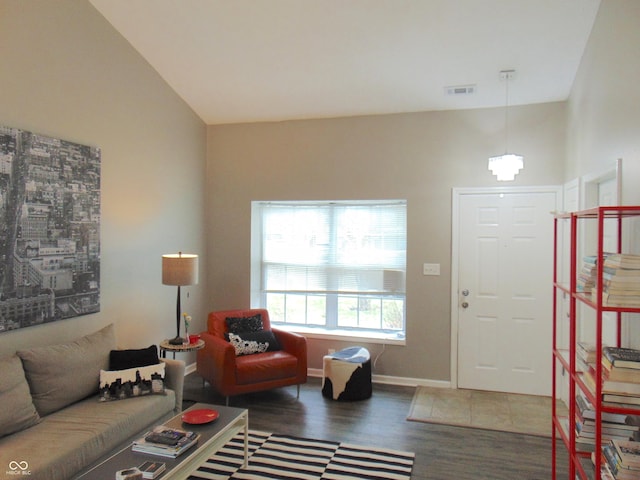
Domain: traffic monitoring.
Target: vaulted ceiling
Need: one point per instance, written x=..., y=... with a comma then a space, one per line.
x=268, y=60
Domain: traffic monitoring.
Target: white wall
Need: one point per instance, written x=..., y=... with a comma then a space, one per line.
x=604, y=106
x=67, y=73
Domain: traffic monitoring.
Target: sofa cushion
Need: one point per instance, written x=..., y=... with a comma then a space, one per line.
x=123, y=359
x=17, y=411
x=70, y=439
x=60, y=375
x=266, y=366
x=237, y=325
x=132, y=382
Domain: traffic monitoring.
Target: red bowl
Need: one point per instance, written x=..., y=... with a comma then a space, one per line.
x=194, y=338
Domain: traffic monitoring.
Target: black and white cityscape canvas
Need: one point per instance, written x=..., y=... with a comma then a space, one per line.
x=49, y=229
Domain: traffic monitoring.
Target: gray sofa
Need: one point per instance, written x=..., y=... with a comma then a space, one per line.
x=52, y=422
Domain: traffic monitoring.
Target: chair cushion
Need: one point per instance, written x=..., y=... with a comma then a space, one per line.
x=263, y=367
x=237, y=325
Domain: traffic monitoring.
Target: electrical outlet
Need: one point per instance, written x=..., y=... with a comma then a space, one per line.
x=431, y=269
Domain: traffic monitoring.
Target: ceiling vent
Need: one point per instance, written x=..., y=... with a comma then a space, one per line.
x=460, y=90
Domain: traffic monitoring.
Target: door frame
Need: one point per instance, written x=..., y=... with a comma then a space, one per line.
x=456, y=194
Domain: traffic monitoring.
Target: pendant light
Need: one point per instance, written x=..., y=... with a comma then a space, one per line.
x=506, y=166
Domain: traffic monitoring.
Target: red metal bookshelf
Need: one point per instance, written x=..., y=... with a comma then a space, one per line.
x=580, y=462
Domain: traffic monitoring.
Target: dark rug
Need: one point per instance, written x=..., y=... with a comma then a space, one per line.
x=286, y=457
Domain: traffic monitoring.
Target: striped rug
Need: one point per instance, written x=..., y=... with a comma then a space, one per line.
x=285, y=457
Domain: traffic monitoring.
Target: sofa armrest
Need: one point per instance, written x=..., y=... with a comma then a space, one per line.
x=174, y=378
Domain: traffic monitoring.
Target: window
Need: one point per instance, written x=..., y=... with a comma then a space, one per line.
x=331, y=266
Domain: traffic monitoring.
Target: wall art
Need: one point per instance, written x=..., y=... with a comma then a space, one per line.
x=49, y=229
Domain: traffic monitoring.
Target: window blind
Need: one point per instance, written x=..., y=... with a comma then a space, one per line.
x=334, y=247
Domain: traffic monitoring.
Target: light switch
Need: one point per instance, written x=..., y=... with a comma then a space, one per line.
x=431, y=269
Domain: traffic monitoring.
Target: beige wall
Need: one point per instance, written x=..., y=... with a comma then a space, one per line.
x=66, y=73
x=420, y=157
x=604, y=107
x=604, y=111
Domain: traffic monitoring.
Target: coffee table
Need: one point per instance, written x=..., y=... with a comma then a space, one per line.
x=212, y=437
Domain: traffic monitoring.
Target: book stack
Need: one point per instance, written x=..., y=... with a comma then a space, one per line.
x=587, y=275
x=585, y=356
x=620, y=281
x=621, y=377
x=614, y=426
x=165, y=442
x=622, y=458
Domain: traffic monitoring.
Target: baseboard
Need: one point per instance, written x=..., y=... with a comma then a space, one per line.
x=382, y=379
x=392, y=380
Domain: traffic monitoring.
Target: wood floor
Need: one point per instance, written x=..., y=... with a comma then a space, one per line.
x=442, y=452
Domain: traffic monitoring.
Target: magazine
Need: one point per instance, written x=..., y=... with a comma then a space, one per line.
x=184, y=441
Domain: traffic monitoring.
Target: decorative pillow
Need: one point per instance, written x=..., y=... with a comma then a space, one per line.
x=123, y=359
x=246, y=347
x=132, y=382
x=60, y=375
x=244, y=324
x=18, y=411
x=265, y=336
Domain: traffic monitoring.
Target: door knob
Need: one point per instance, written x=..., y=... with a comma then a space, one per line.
x=465, y=304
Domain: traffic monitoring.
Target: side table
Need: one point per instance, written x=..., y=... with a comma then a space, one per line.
x=165, y=347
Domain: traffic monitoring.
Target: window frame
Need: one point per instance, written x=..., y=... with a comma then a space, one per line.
x=331, y=327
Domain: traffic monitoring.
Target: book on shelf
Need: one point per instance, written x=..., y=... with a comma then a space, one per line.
x=587, y=412
x=610, y=386
x=586, y=352
x=587, y=275
x=621, y=401
x=605, y=471
x=185, y=440
x=620, y=274
x=628, y=452
x=613, y=462
x=623, y=260
x=621, y=357
x=624, y=432
x=628, y=301
x=620, y=374
x=620, y=292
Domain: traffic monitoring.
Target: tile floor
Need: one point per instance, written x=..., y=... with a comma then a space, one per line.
x=491, y=410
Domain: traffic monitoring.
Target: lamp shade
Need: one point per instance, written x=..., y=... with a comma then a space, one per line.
x=506, y=166
x=179, y=269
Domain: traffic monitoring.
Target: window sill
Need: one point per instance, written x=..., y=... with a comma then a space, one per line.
x=346, y=335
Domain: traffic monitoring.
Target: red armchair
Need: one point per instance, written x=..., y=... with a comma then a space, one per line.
x=230, y=374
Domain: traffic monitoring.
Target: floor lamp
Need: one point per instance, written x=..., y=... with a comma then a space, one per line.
x=179, y=270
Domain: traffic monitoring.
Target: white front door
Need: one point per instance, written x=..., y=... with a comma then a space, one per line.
x=504, y=296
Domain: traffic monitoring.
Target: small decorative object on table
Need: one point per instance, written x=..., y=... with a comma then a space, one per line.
x=129, y=474
x=187, y=323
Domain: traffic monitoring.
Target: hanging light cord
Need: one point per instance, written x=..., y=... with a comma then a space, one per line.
x=506, y=114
